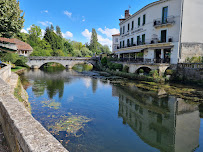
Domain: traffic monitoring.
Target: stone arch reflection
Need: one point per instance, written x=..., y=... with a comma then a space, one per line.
x=163, y=122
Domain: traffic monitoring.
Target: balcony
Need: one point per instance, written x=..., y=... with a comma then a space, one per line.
x=164, y=22
x=148, y=43
x=144, y=60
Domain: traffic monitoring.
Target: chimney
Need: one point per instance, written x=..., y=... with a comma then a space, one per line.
x=127, y=13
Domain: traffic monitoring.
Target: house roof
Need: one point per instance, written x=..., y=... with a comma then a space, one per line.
x=20, y=44
x=116, y=34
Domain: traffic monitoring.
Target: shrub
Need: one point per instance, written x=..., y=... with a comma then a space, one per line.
x=118, y=66
x=169, y=72
x=125, y=69
x=141, y=71
x=104, y=61
x=19, y=63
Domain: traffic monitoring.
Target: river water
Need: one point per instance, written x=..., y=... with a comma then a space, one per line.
x=90, y=114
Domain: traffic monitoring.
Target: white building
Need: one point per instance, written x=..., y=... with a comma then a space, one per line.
x=115, y=42
x=165, y=31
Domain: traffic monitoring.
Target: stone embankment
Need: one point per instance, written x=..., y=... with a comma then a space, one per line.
x=23, y=133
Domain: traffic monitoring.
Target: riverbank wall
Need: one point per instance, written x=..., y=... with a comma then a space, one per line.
x=23, y=133
x=190, y=72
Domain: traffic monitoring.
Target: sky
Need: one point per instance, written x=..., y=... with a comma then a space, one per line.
x=76, y=18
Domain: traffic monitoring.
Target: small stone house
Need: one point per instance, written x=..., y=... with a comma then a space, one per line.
x=15, y=46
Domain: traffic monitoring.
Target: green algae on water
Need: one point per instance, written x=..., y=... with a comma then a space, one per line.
x=71, y=124
x=51, y=104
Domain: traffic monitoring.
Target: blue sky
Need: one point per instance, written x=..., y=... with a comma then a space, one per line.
x=77, y=17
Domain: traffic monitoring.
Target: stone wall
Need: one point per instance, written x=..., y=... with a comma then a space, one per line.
x=5, y=72
x=23, y=133
x=190, y=71
x=191, y=50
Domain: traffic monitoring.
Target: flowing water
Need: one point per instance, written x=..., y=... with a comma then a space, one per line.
x=88, y=115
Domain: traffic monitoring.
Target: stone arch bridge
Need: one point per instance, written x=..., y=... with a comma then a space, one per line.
x=67, y=62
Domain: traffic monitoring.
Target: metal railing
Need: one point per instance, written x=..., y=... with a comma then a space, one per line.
x=143, y=60
x=147, y=41
x=164, y=21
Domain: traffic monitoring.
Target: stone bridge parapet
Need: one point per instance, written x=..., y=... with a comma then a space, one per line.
x=68, y=62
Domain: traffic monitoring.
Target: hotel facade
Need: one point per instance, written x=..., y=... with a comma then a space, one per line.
x=165, y=31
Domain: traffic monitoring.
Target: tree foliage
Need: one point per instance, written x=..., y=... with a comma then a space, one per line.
x=11, y=20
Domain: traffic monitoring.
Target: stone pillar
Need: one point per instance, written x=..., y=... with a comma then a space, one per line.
x=119, y=56
x=162, y=53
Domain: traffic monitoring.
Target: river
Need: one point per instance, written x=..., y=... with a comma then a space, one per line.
x=90, y=114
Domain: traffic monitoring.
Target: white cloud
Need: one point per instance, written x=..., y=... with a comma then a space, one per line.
x=43, y=32
x=104, y=41
x=86, y=33
x=69, y=14
x=83, y=19
x=67, y=34
x=46, y=23
x=45, y=11
x=24, y=31
x=108, y=32
x=122, y=16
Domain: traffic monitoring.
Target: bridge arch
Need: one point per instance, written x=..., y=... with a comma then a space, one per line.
x=145, y=68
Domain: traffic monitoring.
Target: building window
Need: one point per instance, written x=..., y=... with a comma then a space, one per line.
x=116, y=40
x=123, y=44
x=143, y=39
x=138, y=21
x=163, y=36
x=128, y=42
x=144, y=19
x=132, y=25
x=138, y=40
x=123, y=29
x=120, y=45
x=132, y=41
x=164, y=15
x=128, y=26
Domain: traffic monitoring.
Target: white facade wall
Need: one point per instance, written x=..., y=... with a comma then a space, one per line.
x=152, y=13
x=192, y=29
x=115, y=43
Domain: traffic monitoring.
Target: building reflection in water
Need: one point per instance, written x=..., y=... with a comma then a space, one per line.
x=164, y=122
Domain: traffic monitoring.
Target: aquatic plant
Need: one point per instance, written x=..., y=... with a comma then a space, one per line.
x=51, y=104
x=71, y=124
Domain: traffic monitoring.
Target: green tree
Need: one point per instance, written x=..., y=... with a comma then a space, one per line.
x=52, y=28
x=94, y=41
x=34, y=35
x=54, y=40
x=11, y=20
x=58, y=31
x=86, y=52
x=105, y=49
x=68, y=48
x=77, y=53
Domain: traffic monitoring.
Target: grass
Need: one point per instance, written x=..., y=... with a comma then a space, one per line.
x=17, y=68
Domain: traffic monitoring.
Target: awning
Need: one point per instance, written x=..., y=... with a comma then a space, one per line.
x=129, y=51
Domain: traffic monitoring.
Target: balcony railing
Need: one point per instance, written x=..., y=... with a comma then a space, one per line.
x=147, y=41
x=143, y=60
x=165, y=21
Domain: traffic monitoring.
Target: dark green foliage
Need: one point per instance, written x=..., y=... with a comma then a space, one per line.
x=141, y=71
x=12, y=57
x=118, y=66
x=104, y=61
x=11, y=21
x=94, y=41
x=125, y=69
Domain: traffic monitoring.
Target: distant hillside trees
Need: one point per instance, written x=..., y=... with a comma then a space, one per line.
x=53, y=43
x=11, y=20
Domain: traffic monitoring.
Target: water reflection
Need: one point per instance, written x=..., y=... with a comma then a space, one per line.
x=164, y=122
x=85, y=115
